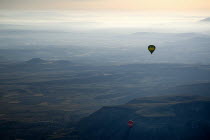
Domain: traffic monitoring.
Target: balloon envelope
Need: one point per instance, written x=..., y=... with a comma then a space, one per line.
x=151, y=48
x=130, y=123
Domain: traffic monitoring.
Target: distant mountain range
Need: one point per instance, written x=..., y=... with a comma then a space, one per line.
x=41, y=61
x=35, y=61
x=155, y=118
x=206, y=19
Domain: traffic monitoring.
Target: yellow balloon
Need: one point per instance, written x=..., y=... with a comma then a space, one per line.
x=151, y=48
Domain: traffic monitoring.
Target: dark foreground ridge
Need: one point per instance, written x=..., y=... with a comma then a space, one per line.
x=156, y=118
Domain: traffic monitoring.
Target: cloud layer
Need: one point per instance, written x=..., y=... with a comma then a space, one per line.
x=151, y=5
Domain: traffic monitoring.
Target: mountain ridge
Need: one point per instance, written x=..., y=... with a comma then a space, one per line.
x=168, y=117
x=206, y=19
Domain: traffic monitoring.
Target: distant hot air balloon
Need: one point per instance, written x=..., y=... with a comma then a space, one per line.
x=130, y=123
x=151, y=48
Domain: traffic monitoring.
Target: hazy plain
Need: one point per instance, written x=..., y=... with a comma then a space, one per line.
x=116, y=37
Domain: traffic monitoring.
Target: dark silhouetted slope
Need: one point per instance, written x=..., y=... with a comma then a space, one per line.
x=156, y=118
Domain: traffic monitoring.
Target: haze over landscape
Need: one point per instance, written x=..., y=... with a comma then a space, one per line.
x=81, y=69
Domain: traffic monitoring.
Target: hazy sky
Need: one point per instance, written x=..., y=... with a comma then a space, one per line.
x=148, y=5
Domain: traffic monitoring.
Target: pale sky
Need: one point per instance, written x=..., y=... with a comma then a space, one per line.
x=146, y=5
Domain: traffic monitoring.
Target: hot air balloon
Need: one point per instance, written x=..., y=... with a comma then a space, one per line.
x=130, y=123
x=151, y=48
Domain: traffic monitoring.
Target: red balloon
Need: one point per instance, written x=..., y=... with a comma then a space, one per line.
x=130, y=123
